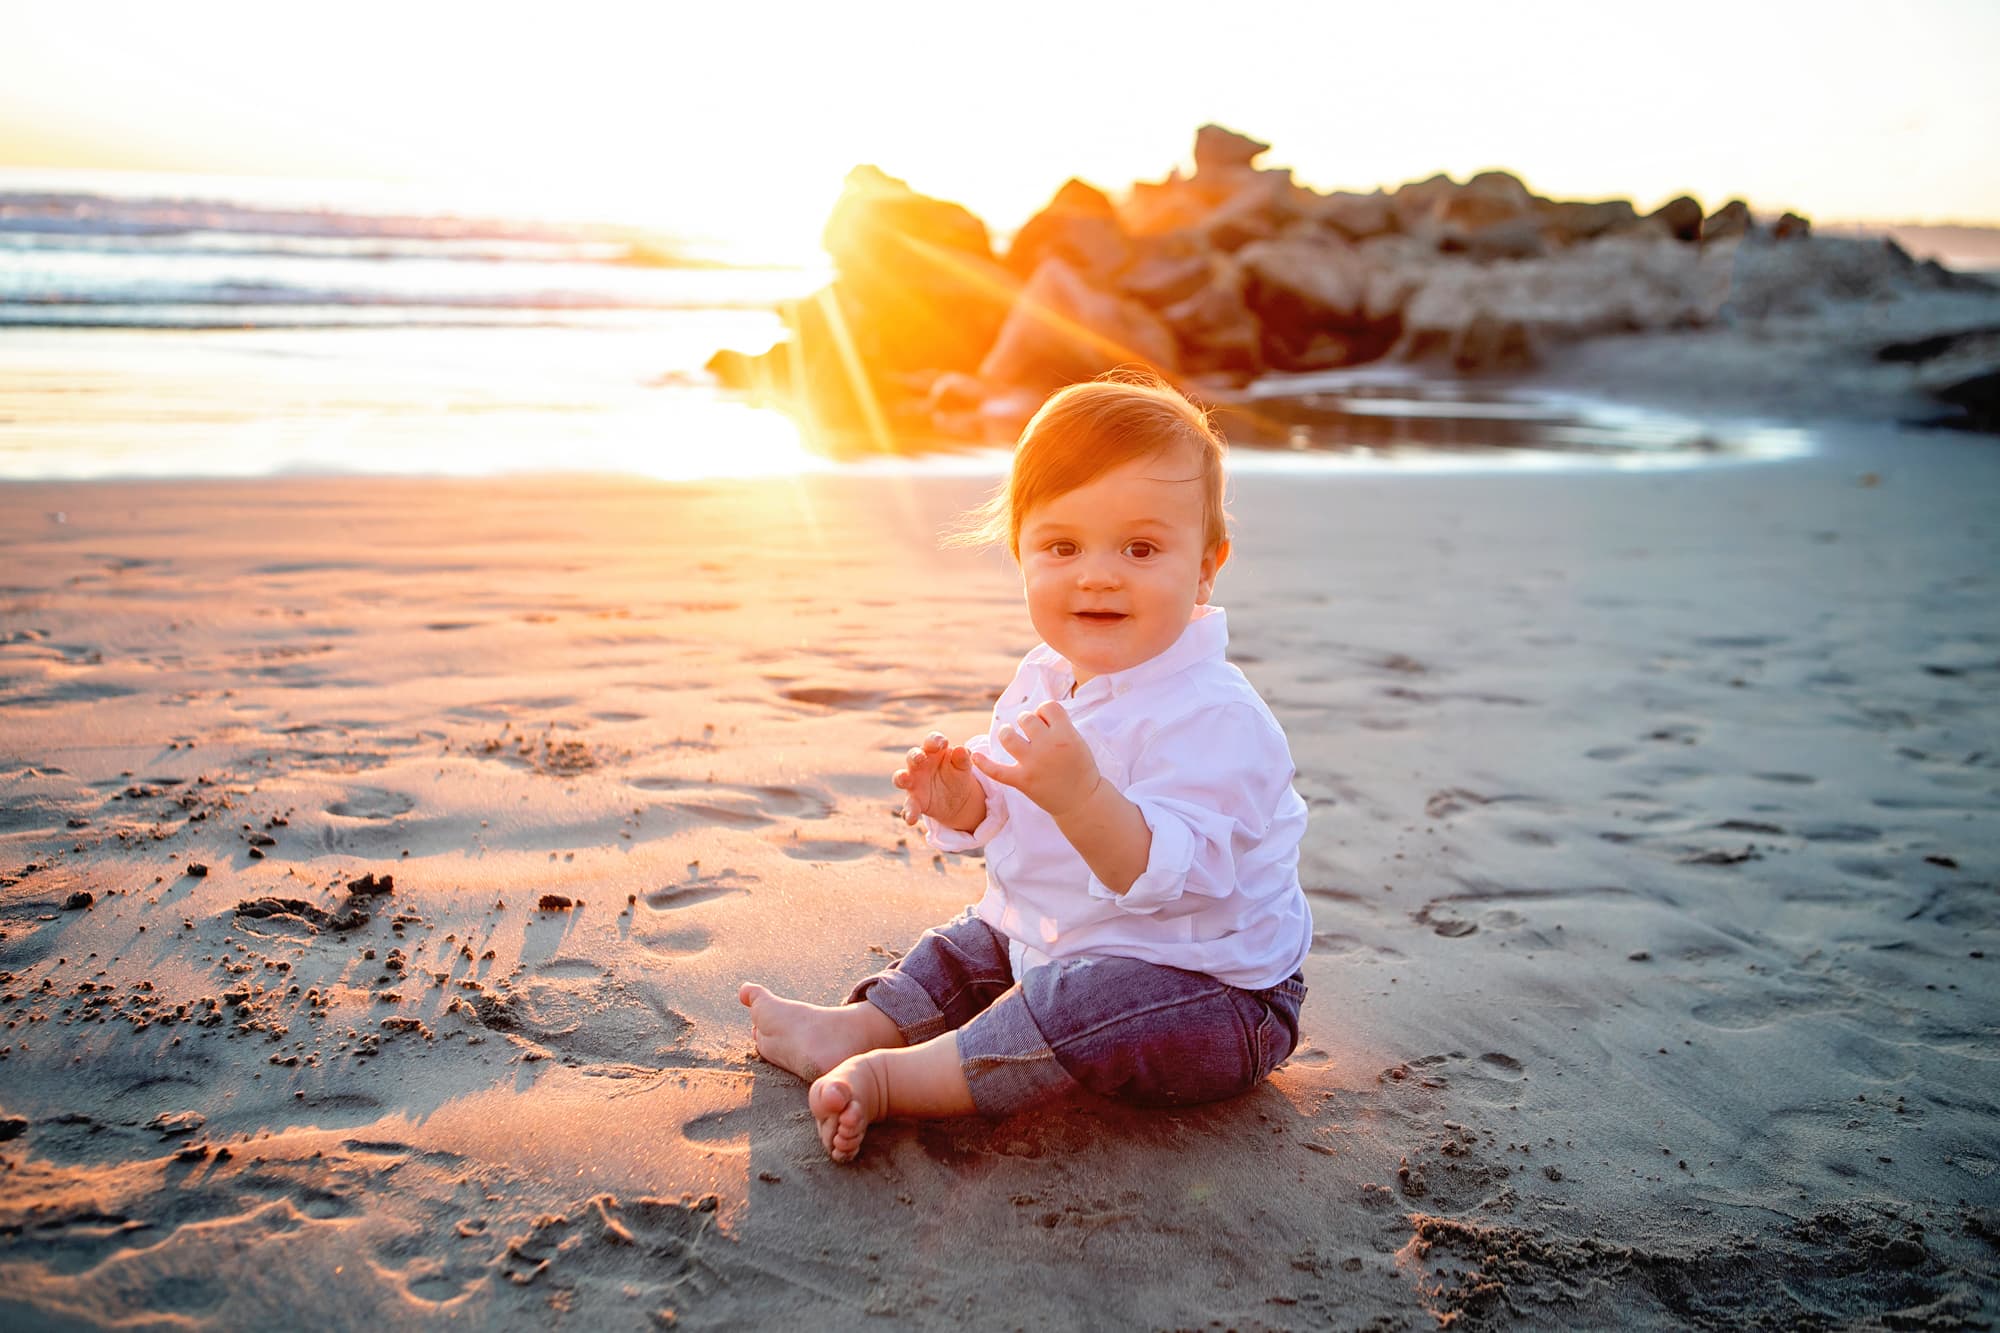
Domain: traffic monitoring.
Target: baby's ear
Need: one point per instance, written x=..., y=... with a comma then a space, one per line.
x=1212, y=562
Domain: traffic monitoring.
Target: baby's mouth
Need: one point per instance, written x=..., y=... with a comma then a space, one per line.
x=1101, y=617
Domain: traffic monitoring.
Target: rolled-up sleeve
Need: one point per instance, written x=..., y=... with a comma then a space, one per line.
x=1208, y=785
x=952, y=840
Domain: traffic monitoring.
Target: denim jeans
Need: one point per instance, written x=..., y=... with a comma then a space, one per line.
x=1122, y=1028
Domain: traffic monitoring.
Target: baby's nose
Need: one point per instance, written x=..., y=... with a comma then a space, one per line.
x=1097, y=574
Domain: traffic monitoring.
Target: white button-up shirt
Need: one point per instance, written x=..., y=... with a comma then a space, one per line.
x=1187, y=739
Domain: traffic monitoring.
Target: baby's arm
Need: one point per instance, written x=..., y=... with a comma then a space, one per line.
x=938, y=781
x=1054, y=768
x=1204, y=784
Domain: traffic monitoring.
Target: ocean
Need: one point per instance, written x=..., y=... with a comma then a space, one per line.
x=188, y=326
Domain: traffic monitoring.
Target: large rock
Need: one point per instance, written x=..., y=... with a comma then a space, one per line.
x=1259, y=206
x=1488, y=198
x=1355, y=216
x=1803, y=275
x=1168, y=268
x=1159, y=208
x=1492, y=216
x=1728, y=223
x=1062, y=330
x=1219, y=149
x=1417, y=202
x=1227, y=195
x=1311, y=297
x=1214, y=326
x=1567, y=222
x=919, y=288
x=1080, y=227
x=1489, y=316
x=1677, y=219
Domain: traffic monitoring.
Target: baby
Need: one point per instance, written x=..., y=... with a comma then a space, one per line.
x=1143, y=927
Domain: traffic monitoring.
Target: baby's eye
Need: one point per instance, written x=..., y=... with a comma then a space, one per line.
x=1064, y=549
x=1141, y=550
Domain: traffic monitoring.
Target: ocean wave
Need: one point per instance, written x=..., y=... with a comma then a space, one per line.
x=214, y=316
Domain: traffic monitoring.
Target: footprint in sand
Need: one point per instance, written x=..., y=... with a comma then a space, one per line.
x=622, y=1029
x=824, y=849
x=728, y=1129
x=371, y=803
x=697, y=888
x=740, y=805
x=1756, y=1009
x=1493, y=1077
x=683, y=943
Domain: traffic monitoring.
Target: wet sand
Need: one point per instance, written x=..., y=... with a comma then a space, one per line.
x=1652, y=859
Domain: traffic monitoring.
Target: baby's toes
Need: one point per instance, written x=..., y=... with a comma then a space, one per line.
x=848, y=1130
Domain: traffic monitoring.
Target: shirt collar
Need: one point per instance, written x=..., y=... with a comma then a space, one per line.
x=1206, y=636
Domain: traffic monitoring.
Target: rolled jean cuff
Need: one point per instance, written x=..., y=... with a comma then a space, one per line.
x=1007, y=1062
x=908, y=1005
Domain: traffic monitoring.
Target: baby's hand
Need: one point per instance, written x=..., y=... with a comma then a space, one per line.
x=1053, y=766
x=937, y=779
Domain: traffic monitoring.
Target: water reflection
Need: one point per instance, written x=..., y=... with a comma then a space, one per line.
x=1395, y=417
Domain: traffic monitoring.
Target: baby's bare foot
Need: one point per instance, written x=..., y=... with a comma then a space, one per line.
x=809, y=1039
x=846, y=1101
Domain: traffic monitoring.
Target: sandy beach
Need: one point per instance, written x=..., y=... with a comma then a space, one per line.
x=1652, y=862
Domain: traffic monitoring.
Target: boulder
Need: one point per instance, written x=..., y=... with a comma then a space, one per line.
x=1255, y=210
x=1960, y=369
x=1355, y=216
x=1490, y=197
x=1511, y=238
x=1078, y=226
x=1062, y=330
x=1214, y=327
x=1680, y=219
x=1791, y=227
x=1728, y=223
x=1468, y=312
x=1311, y=297
x=919, y=288
x=877, y=213
x=1570, y=222
x=1803, y=274
x=1219, y=149
x=1168, y=268
x=1484, y=343
x=1157, y=208
x=1490, y=217
x=1416, y=202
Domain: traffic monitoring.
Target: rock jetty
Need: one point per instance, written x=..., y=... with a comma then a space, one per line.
x=1236, y=271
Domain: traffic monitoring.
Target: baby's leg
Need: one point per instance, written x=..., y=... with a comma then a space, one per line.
x=1128, y=1029
x=951, y=973
x=809, y=1039
x=921, y=1080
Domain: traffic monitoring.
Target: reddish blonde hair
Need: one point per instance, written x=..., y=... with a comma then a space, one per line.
x=1085, y=430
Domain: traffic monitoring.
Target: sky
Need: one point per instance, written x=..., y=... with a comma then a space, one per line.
x=740, y=120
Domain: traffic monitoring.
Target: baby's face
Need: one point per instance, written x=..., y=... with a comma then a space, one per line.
x=1114, y=569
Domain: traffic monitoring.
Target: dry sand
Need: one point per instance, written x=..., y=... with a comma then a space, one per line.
x=1653, y=862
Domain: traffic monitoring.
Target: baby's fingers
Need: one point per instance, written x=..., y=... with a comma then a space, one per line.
x=1012, y=741
x=1007, y=775
x=1054, y=716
